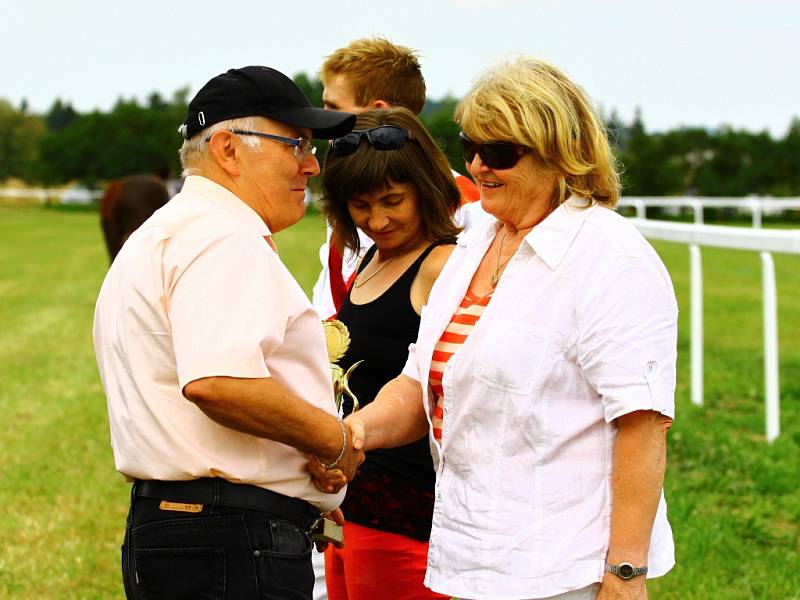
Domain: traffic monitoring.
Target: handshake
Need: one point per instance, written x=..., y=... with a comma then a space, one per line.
x=332, y=479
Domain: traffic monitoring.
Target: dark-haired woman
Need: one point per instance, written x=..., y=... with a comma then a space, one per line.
x=390, y=180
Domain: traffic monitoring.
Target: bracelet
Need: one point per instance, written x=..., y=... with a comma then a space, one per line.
x=341, y=454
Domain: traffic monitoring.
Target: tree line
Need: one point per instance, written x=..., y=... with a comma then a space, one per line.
x=64, y=145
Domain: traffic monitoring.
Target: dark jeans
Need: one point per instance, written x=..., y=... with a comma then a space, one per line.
x=218, y=553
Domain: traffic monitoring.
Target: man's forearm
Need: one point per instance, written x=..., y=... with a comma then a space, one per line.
x=264, y=408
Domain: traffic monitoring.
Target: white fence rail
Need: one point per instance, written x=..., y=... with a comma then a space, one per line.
x=760, y=240
x=755, y=205
x=74, y=195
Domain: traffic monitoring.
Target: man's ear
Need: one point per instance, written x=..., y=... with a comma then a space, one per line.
x=225, y=151
x=381, y=105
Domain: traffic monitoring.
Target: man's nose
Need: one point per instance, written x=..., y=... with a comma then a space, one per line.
x=310, y=166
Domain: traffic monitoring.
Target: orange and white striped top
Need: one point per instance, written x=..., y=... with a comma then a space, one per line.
x=454, y=335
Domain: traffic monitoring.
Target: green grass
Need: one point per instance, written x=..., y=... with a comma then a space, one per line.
x=733, y=500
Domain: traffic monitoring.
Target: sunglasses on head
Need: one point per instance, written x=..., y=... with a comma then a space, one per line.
x=495, y=155
x=384, y=137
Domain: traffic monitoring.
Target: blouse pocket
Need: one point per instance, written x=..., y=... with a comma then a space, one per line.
x=510, y=357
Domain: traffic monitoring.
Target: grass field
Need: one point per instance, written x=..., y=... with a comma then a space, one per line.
x=734, y=500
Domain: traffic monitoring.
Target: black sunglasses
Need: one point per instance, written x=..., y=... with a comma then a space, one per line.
x=384, y=137
x=495, y=155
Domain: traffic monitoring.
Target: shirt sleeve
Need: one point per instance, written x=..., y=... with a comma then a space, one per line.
x=627, y=341
x=411, y=368
x=225, y=314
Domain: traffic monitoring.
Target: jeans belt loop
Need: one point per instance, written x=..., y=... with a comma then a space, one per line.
x=217, y=498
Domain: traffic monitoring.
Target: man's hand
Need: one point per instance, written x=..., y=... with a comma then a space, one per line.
x=614, y=588
x=332, y=480
x=353, y=456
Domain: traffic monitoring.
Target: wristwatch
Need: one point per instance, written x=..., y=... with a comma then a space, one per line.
x=626, y=570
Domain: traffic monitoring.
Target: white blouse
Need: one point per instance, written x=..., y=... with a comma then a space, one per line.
x=582, y=329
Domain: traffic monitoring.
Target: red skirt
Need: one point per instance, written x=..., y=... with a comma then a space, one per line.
x=377, y=564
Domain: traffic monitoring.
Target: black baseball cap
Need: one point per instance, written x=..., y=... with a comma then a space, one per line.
x=263, y=92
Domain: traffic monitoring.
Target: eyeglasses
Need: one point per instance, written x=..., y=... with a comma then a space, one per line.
x=384, y=137
x=495, y=155
x=302, y=146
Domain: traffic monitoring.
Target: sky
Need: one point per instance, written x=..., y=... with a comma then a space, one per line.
x=683, y=63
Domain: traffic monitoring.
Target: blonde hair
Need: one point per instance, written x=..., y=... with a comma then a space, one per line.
x=377, y=69
x=534, y=104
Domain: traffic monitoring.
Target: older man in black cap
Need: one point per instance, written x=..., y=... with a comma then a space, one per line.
x=214, y=362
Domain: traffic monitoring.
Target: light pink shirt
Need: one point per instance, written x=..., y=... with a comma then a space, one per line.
x=197, y=292
x=581, y=329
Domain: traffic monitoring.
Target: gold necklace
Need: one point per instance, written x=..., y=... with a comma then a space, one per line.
x=496, y=275
x=359, y=281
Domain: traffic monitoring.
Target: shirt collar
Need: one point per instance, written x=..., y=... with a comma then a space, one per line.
x=552, y=238
x=223, y=199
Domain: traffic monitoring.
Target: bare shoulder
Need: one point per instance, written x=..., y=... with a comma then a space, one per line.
x=435, y=261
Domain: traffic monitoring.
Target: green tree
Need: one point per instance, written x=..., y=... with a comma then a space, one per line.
x=60, y=115
x=787, y=162
x=19, y=138
x=311, y=86
x=647, y=167
x=438, y=119
x=128, y=140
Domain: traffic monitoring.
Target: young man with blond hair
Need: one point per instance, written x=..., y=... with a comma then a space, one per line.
x=370, y=74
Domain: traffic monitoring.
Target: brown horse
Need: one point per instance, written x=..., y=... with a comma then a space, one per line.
x=126, y=204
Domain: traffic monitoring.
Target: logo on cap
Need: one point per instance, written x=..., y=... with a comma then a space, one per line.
x=202, y=118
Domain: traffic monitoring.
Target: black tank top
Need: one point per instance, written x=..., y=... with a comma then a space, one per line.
x=394, y=488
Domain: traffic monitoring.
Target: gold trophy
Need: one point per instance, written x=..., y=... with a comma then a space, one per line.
x=337, y=339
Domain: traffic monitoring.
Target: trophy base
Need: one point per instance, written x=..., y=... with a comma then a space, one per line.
x=326, y=531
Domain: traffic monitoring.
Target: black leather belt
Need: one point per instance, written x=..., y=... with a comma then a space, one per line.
x=219, y=492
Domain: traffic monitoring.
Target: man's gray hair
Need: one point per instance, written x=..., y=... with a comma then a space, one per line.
x=195, y=150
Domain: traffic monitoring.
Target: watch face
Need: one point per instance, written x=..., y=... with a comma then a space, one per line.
x=626, y=570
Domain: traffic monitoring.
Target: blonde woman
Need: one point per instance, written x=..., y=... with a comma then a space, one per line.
x=544, y=369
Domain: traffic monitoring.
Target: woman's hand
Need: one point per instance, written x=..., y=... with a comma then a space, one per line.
x=337, y=516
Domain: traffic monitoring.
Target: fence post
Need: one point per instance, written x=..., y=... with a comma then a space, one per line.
x=697, y=206
x=641, y=208
x=696, y=309
x=771, y=385
x=756, y=208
